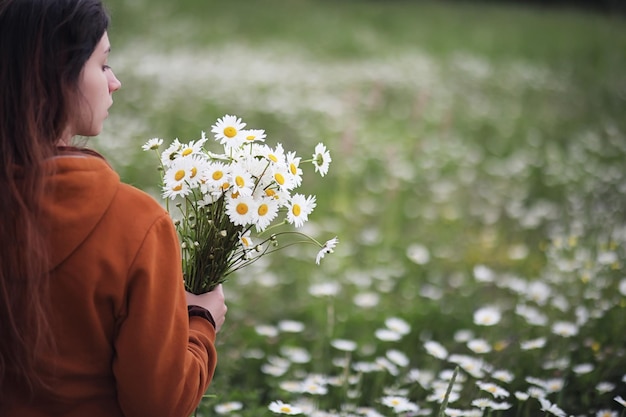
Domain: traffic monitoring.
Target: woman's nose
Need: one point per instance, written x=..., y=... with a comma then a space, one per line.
x=114, y=83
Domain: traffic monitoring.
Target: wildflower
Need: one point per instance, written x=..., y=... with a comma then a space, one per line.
x=604, y=387
x=399, y=404
x=296, y=354
x=453, y=412
x=482, y=403
x=240, y=210
x=487, y=316
x=493, y=389
x=152, y=144
x=548, y=407
x=479, y=346
x=565, y=329
x=419, y=254
x=299, y=209
x=328, y=247
x=266, y=330
x=280, y=407
x=321, y=159
x=583, y=368
x=533, y=344
x=227, y=407
x=325, y=289
x=291, y=326
x=397, y=357
x=227, y=131
x=606, y=413
x=266, y=211
x=253, y=135
x=522, y=396
x=439, y=395
x=293, y=166
x=436, y=349
x=500, y=406
x=503, y=375
x=463, y=335
x=344, y=345
x=387, y=335
x=366, y=299
x=398, y=325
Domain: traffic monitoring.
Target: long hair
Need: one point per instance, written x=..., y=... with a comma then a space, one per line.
x=44, y=45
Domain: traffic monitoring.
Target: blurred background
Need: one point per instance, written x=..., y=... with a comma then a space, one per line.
x=478, y=160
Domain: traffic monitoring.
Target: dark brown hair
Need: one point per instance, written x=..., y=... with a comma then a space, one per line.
x=44, y=45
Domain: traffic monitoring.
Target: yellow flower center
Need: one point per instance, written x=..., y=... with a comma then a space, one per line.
x=245, y=241
x=235, y=194
x=272, y=157
x=194, y=171
x=279, y=178
x=179, y=175
x=225, y=186
x=242, y=208
x=293, y=168
x=177, y=187
x=187, y=152
x=239, y=181
x=263, y=209
x=285, y=409
x=230, y=132
x=251, y=137
x=270, y=193
x=217, y=175
x=296, y=210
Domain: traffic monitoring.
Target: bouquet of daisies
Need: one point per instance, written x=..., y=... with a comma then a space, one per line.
x=228, y=207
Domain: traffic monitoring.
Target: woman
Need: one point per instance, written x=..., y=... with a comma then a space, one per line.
x=94, y=319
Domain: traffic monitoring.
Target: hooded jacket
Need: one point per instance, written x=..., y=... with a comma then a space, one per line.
x=125, y=344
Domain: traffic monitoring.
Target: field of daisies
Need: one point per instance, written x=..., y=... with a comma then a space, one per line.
x=477, y=190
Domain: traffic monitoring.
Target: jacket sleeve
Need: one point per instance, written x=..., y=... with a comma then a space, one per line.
x=164, y=359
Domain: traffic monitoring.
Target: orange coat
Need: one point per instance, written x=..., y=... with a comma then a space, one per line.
x=125, y=345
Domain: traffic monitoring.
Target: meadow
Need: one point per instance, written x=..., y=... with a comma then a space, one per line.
x=477, y=189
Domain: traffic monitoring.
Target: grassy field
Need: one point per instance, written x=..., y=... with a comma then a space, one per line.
x=478, y=191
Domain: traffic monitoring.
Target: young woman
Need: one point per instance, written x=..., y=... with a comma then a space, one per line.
x=94, y=318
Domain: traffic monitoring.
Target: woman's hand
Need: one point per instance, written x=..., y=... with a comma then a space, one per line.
x=212, y=301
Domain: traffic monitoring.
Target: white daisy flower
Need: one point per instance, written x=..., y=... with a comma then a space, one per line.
x=280, y=407
x=436, y=349
x=170, y=153
x=521, y=396
x=321, y=159
x=439, y=396
x=397, y=357
x=533, y=344
x=387, y=335
x=548, y=407
x=399, y=404
x=299, y=208
x=328, y=247
x=344, y=345
x=479, y=346
x=583, y=368
x=192, y=148
x=228, y=407
x=494, y=389
x=276, y=156
x=503, y=375
x=604, y=387
x=282, y=178
x=152, y=144
x=565, y=329
x=240, y=210
x=241, y=180
x=293, y=166
x=324, y=289
x=290, y=326
x=606, y=413
x=246, y=240
x=366, y=299
x=227, y=131
x=253, y=135
x=216, y=177
x=266, y=330
x=487, y=316
x=398, y=325
x=266, y=212
x=181, y=177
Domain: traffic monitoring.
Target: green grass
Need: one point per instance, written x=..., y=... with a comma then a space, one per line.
x=483, y=135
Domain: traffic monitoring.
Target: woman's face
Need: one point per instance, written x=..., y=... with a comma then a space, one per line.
x=96, y=86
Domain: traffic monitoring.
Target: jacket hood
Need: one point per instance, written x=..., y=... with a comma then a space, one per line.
x=79, y=190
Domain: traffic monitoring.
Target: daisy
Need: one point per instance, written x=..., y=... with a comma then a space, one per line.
x=533, y=344
x=397, y=357
x=266, y=330
x=299, y=208
x=241, y=180
x=321, y=159
x=436, y=349
x=253, y=135
x=604, y=387
x=399, y=404
x=606, y=413
x=398, y=325
x=479, y=346
x=548, y=407
x=387, y=335
x=181, y=177
x=344, y=345
x=215, y=178
x=227, y=131
x=329, y=247
x=293, y=165
x=565, y=329
x=192, y=148
x=152, y=144
x=228, y=407
x=170, y=153
x=275, y=156
x=482, y=403
x=583, y=368
x=280, y=407
x=290, y=326
x=493, y=389
x=366, y=299
x=487, y=316
x=240, y=210
x=282, y=178
x=324, y=289
x=246, y=240
x=439, y=396
x=503, y=375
